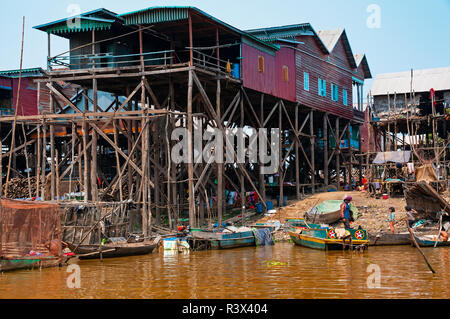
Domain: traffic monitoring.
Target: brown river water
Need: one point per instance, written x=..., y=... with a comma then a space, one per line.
x=282, y=271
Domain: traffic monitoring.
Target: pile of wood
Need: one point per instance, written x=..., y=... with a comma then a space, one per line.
x=425, y=200
x=18, y=188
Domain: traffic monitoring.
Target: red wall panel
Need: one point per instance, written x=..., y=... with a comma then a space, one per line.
x=27, y=98
x=252, y=78
x=283, y=89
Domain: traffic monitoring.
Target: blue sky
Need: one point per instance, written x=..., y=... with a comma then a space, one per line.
x=412, y=34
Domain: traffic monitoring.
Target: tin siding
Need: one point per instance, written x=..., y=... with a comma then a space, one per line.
x=252, y=78
x=285, y=90
x=330, y=73
x=27, y=98
x=339, y=57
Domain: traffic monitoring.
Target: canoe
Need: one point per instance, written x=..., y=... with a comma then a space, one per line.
x=328, y=238
x=210, y=240
x=429, y=241
x=10, y=264
x=114, y=250
x=389, y=239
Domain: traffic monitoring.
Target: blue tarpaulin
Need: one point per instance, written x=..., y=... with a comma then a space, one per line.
x=263, y=237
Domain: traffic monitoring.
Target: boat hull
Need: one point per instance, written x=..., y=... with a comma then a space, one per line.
x=206, y=240
x=113, y=251
x=326, y=238
x=29, y=263
x=424, y=242
x=389, y=239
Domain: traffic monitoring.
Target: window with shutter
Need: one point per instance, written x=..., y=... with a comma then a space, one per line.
x=261, y=64
x=344, y=96
x=285, y=73
x=306, y=81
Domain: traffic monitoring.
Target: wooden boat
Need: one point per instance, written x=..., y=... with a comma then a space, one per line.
x=327, y=212
x=429, y=241
x=328, y=238
x=114, y=250
x=210, y=240
x=389, y=239
x=20, y=263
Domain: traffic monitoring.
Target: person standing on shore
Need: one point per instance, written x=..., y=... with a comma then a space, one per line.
x=345, y=211
x=391, y=219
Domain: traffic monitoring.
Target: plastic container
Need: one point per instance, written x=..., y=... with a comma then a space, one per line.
x=236, y=70
x=259, y=208
x=385, y=196
x=269, y=205
x=284, y=201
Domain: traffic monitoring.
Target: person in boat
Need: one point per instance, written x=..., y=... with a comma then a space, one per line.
x=345, y=211
x=445, y=226
x=411, y=215
x=391, y=219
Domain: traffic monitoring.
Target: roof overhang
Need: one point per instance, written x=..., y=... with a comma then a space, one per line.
x=288, y=32
x=100, y=19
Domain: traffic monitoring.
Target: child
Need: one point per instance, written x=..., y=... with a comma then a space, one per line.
x=391, y=219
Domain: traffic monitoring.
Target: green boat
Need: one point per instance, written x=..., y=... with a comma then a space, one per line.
x=326, y=238
x=15, y=263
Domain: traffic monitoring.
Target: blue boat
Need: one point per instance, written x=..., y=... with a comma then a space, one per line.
x=200, y=240
x=430, y=241
x=327, y=238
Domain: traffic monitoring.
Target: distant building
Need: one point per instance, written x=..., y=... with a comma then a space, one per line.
x=425, y=85
x=28, y=97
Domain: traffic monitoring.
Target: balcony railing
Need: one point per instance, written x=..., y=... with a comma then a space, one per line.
x=104, y=60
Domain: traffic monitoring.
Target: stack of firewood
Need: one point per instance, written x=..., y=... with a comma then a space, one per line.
x=18, y=188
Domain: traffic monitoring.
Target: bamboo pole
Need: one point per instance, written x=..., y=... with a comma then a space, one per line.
x=418, y=247
x=16, y=108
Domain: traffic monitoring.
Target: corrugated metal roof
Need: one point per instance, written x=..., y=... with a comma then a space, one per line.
x=287, y=32
x=33, y=72
x=99, y=19
x=156, y=15
x=162, y=14
x=423, y=81
x=361, y=58
x=331, y=37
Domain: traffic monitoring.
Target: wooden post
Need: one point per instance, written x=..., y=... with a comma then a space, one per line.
x=44, y=160
x=141, y=49
x=262, y=183
x=57, y=175
x=116, y=141
x=49, y=68
x=243, y=197
x=94, y=174
x=191, y=41
x=52, y=162
x=190, y=149
x=85, y=172
x=350, y=164
x=338, y=154
x=297, y=154
x=280, y=150
x=144, y=154
x=220, y=166
x=325, y=150
x=313, y=144
x=38, y=160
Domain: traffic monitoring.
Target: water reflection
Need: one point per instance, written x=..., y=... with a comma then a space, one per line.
x=281, y=271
